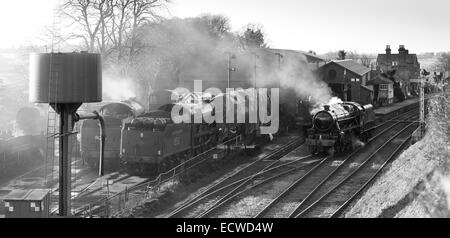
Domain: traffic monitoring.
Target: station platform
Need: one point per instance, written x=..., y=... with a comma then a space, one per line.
x=388, y=112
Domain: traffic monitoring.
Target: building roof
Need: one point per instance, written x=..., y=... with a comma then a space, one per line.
x=353, y=66
x=380, y=79
x=27, y=195
x=312, y=58
x=366, y=88
x=390, y=57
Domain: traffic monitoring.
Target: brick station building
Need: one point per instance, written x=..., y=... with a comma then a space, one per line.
x=406, y=65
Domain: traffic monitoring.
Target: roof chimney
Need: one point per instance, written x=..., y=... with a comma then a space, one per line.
x=401, y=49
x=388, y=49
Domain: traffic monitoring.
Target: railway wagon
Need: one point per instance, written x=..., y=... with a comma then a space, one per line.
x=113, y=114
x=340, y=127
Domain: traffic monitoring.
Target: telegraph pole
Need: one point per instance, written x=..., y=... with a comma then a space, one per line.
x=231, y=56
x=422, y=101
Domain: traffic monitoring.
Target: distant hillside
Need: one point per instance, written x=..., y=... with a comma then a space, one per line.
x=428, y=63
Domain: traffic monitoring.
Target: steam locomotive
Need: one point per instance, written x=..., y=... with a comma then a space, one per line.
x=340, y=127
x=113, y=114
x=24, y=148
x=152, y=143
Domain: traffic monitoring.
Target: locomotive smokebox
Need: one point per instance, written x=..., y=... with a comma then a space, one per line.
x=61, y=78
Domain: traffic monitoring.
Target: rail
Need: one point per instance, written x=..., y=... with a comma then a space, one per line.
x=223, y=187
x=135, y=195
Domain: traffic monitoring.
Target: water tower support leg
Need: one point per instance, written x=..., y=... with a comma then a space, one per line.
x=65, y=112
x=64, y=163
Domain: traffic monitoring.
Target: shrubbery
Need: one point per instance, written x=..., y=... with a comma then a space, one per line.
x=436, y=195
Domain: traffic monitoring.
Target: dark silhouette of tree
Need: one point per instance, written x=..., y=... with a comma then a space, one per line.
x=254, y=36
x=342, y=55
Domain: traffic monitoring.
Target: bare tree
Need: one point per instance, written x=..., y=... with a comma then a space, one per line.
x=111, y=26
x=366, y=60
x=92, y=16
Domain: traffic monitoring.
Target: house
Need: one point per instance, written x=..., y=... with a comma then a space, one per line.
x=347, y=79
x=405, y=65
x=383, y=89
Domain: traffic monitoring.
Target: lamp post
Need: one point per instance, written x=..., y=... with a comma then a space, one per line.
x=231, y=56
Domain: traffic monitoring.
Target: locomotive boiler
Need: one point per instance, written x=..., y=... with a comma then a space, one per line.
x=340, y=127
x=113, y=114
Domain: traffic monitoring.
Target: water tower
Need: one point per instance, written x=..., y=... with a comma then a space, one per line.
x=66, y=81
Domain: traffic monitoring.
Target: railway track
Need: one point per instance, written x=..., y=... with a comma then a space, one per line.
x=335, y=197
x=96, y=198
x=314, y=172
x=305, y=191
x=230, y=185
x=264, y=170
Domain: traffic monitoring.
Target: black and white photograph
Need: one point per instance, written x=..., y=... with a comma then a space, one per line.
x=181, y=109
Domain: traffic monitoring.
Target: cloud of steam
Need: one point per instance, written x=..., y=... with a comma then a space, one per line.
x=117, y=87
x=185, y=50
x=29, y=121
x=294, y=73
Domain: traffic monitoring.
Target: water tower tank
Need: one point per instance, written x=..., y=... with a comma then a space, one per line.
x=65, y=78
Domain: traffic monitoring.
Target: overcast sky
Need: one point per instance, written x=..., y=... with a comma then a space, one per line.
x=320, y=25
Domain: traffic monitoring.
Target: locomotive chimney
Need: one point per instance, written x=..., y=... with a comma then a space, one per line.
x=327, y=108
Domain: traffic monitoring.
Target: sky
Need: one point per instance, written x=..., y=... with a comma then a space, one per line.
x=23, y=21
x=320, y=25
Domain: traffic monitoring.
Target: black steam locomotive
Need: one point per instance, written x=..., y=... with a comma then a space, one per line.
x=113, y=115
x=153, y=143
x=25, y=148
x=340, y=127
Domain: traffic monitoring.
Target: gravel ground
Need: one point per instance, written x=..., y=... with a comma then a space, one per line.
x=248, y=206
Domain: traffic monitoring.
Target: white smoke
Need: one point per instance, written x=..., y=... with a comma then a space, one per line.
x=319, y=106
x=117, y=87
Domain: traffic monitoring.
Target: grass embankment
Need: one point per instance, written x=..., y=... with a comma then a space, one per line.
x=417, y=184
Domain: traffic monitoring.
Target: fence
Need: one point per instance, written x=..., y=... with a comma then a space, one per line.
x=134, y=196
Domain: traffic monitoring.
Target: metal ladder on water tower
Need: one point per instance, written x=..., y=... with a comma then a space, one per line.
x=52, y=122
x=52, y=146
